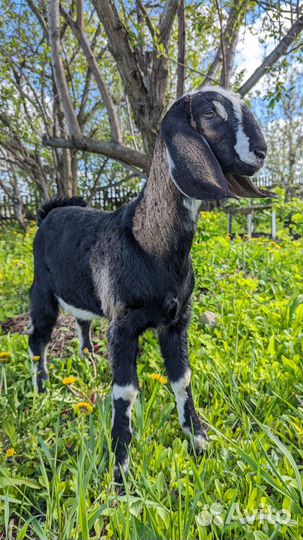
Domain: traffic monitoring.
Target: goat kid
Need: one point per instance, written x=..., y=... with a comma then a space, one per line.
x=133, y=265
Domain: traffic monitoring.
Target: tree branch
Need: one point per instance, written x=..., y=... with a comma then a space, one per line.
x=181, y=49
x=228, y=40
x=147, y=19
x=92, y=62
x=40, y=18
x=159, y=74
x=121, y=51
x=167, y=20
x=274, y=56
x=113, y=150
x=60, y=79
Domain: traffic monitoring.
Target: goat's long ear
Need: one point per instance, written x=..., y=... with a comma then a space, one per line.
x=243, y=186
x=193, y=167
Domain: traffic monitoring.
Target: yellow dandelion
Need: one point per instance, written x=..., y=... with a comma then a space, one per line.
x=84, y=407
x=85, y=350
x=69, y=380
x=36, y=358
x=1, y=276
x=157, y=377
x=5, y=357
x=10, y=453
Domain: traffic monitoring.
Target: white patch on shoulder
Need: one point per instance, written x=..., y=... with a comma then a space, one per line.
x=193, y=206
x=179, y=387
x=78, y=313
x=221, y=110
x=111, y=307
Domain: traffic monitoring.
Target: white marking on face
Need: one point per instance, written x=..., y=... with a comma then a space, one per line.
x=78, y=313
x=221, y=110
x=128, y=393
x=242, y=141
x=242, y=147
x=233, y=98
x=180, y=390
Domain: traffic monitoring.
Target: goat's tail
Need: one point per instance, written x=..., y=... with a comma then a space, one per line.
x=58, y=202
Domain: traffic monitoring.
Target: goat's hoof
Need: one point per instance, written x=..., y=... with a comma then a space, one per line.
x=41, y=384
x=199, y=440
x=118, y=476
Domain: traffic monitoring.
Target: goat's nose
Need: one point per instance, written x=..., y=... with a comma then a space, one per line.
x=260, y=152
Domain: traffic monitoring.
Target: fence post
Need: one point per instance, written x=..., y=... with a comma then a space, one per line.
x=249, y=225
x=230, y=224
x=273, y=224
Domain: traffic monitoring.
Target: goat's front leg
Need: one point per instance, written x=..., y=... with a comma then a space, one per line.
x=173, y=343
x=123, y=346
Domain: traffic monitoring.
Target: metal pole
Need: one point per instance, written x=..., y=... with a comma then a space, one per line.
x=249, y=225
x=230, y=224
x=273, y=224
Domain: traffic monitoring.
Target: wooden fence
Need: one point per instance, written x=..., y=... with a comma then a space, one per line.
x=114, y=197
x=109, y=199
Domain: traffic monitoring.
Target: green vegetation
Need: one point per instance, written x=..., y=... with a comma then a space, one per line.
x=55, y=463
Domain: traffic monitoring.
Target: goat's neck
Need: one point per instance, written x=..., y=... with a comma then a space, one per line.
x=165, y=220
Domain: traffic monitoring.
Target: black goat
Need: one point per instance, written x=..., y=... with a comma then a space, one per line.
x=133, y=265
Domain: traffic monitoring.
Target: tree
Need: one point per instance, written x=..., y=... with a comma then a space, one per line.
x=284, y=134
x=142, y=54
x=96, y=77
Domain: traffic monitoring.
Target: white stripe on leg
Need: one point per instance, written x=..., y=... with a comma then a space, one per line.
x=180, y=390
x=127, y=393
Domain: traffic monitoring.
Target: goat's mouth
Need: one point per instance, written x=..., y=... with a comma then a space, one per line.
x=243, y=186
x=247, y=169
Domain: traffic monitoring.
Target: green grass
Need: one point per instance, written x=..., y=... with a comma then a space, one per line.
x=248, y=387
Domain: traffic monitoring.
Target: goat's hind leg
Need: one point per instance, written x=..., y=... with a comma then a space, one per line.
x=84, y=333
x=44, y=313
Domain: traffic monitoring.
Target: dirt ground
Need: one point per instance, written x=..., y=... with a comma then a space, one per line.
x=64, y=331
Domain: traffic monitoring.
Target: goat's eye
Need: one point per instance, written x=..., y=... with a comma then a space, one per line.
x=210, y=113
